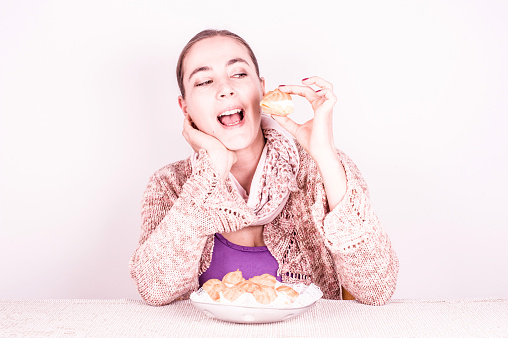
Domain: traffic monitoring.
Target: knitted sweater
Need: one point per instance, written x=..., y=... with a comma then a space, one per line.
x=183, y=207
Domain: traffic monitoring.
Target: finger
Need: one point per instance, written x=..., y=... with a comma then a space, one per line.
x=192, y=135
x=327, y=94
x=316, y=80
x=187, y=129
x=303, y=91
x=286, y=123
x=188, y=126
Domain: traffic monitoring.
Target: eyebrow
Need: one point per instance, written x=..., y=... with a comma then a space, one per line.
x=206, y=68
x=236, y=60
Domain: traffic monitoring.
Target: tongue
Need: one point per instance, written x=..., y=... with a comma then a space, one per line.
x=230, y=119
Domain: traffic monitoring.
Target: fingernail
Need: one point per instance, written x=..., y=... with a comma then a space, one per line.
x=282, y=85
x=317, y=91
x=305, y=79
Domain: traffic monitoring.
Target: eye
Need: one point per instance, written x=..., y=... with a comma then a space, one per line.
x=239, y=75
x=204, y=83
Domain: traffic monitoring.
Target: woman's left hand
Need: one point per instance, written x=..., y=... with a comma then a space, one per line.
x=315, y=135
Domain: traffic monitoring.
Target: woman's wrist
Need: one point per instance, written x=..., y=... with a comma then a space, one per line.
x=325, y=156
x=222, y=160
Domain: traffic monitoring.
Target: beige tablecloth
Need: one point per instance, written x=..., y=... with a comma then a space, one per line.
x=131, y=318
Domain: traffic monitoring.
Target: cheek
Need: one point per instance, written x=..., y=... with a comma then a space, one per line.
x=256, y=99
x=254, y=93
x=260, y=94
x=201, y=120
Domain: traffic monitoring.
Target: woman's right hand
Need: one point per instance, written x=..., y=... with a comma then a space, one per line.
x=222, y=158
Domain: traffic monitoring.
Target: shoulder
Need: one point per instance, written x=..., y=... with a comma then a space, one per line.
x=171, y=176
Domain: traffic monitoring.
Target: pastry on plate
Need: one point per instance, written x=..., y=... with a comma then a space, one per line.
x=265, y=295
x=248, y=286
x=233, y=277
x=276, y=102
x=289, y=291
x=263, y=288
x=232, y=293
x=264, y=280
x=213, y=287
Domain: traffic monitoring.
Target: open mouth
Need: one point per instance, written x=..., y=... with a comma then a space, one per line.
x=231, y=117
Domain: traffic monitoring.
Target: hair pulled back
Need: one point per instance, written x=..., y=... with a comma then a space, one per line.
x=209, y=33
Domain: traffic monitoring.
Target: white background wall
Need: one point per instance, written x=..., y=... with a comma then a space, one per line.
x=88, y=110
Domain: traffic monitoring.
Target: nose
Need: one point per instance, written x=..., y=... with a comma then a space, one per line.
x=225, y=89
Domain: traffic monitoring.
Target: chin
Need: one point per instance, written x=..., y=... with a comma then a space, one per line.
x=240, y=142
x=236, y=146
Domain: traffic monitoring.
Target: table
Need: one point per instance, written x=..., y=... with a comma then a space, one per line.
x=327, y=318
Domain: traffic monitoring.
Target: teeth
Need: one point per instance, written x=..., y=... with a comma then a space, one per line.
x=231, y=112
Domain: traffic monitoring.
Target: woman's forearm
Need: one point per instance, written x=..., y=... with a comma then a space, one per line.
x=176, y=224
x=334, y=177
x=366, y=262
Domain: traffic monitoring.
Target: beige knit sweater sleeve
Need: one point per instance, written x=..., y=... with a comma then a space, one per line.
x=177, y=219
x=365, y=261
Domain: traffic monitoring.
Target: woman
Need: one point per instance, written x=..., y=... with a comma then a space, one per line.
x=253, y=197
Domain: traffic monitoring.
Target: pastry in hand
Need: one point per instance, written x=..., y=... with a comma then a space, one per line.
x=276, y=102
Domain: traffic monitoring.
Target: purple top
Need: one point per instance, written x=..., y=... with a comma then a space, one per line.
x=227, y=257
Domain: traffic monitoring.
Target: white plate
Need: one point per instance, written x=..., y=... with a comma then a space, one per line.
x=247, y=310
x=247, y=314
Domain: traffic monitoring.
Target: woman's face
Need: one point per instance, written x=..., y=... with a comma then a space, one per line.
x=223, y=91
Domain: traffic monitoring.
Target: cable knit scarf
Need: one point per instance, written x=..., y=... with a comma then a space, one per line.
x=275, y=175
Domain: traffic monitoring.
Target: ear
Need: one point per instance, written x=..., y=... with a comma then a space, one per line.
x=183, y=105
x=262, y=79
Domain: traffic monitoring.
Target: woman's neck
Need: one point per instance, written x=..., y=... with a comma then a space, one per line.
x=247, y=161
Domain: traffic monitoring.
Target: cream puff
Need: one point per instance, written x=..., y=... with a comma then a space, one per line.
x=233, y=277
x=265, y=295
x=248, y=286
x=232, y=293
x=276, y=102
x=289, y=291
x=264, y=280
x=213, y=287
